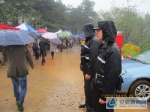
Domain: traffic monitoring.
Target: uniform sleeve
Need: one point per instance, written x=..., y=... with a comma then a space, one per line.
x=112, y=71
x=92, y=56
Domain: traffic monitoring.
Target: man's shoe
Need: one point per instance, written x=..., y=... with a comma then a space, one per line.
x=82, y=106
x=20, y=106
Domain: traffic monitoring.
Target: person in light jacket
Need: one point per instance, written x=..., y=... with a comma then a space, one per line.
x=52, y=49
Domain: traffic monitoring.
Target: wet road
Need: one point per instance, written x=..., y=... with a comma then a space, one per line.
x=55, y=87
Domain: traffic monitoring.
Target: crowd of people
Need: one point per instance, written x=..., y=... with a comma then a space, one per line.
x=100, y=64
x=18, y=57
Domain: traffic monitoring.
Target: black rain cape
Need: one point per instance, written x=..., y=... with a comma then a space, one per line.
x=89, y=50
x=108, y=62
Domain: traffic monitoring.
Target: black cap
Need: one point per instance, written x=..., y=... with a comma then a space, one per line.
x=98, y=26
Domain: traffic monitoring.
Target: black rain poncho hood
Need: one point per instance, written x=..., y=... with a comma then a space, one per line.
x=89, y=50
x=108, y=63
x=108, y=29
x=88, y=30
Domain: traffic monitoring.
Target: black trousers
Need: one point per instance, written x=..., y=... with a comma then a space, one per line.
x=60, y=47
x=36, y=54
x=99, y=107
x=88, y=95
x=43, y=56
x=52, y=54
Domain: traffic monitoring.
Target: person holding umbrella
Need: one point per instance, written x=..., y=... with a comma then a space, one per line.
x=61, y=46
x=18, y=56
x=43, y=47
x=1, y=56
x=52, y=37
x=52, y=49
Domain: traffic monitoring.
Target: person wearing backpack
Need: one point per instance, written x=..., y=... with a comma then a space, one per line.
x=88, y=58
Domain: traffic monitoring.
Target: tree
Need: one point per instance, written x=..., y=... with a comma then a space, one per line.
x=84, y=13
x=133, y=25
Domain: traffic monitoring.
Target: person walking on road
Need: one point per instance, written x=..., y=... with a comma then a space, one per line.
x=18, y=57
x=2, y=56
x=88, y=58
x=61, y=46
x=43, y=47
x=52, y=49
x=70, y=43
x=108, y=65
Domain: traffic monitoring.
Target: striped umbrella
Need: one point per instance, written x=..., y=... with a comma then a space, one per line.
x=14, y=37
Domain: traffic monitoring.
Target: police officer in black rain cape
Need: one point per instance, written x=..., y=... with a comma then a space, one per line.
x=108, y=65
x=88, y=58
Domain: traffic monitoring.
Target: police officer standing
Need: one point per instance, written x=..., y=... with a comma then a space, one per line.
x=88, y=58
x=108, y=65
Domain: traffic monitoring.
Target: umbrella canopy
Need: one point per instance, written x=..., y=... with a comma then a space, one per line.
x=63, y=34
x=33, y=34
x=49, y=35
x=4, y=27
x=52, y=37
x=25, y=26
x=55, y=41
x=70, y=32
x=42, y=30
x=130, y=50
x=14, y=37
x=59, y=31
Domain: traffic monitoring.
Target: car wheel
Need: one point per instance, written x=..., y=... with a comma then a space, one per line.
x=140, y=88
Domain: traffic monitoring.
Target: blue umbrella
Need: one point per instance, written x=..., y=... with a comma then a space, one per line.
x=34, y=34
x=12, y=37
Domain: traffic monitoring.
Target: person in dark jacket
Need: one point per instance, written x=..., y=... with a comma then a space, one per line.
x=36, y=51
x=88, y=58
x=2, y=56
x=108, y=65
x=43, y=46
x=61, y=46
